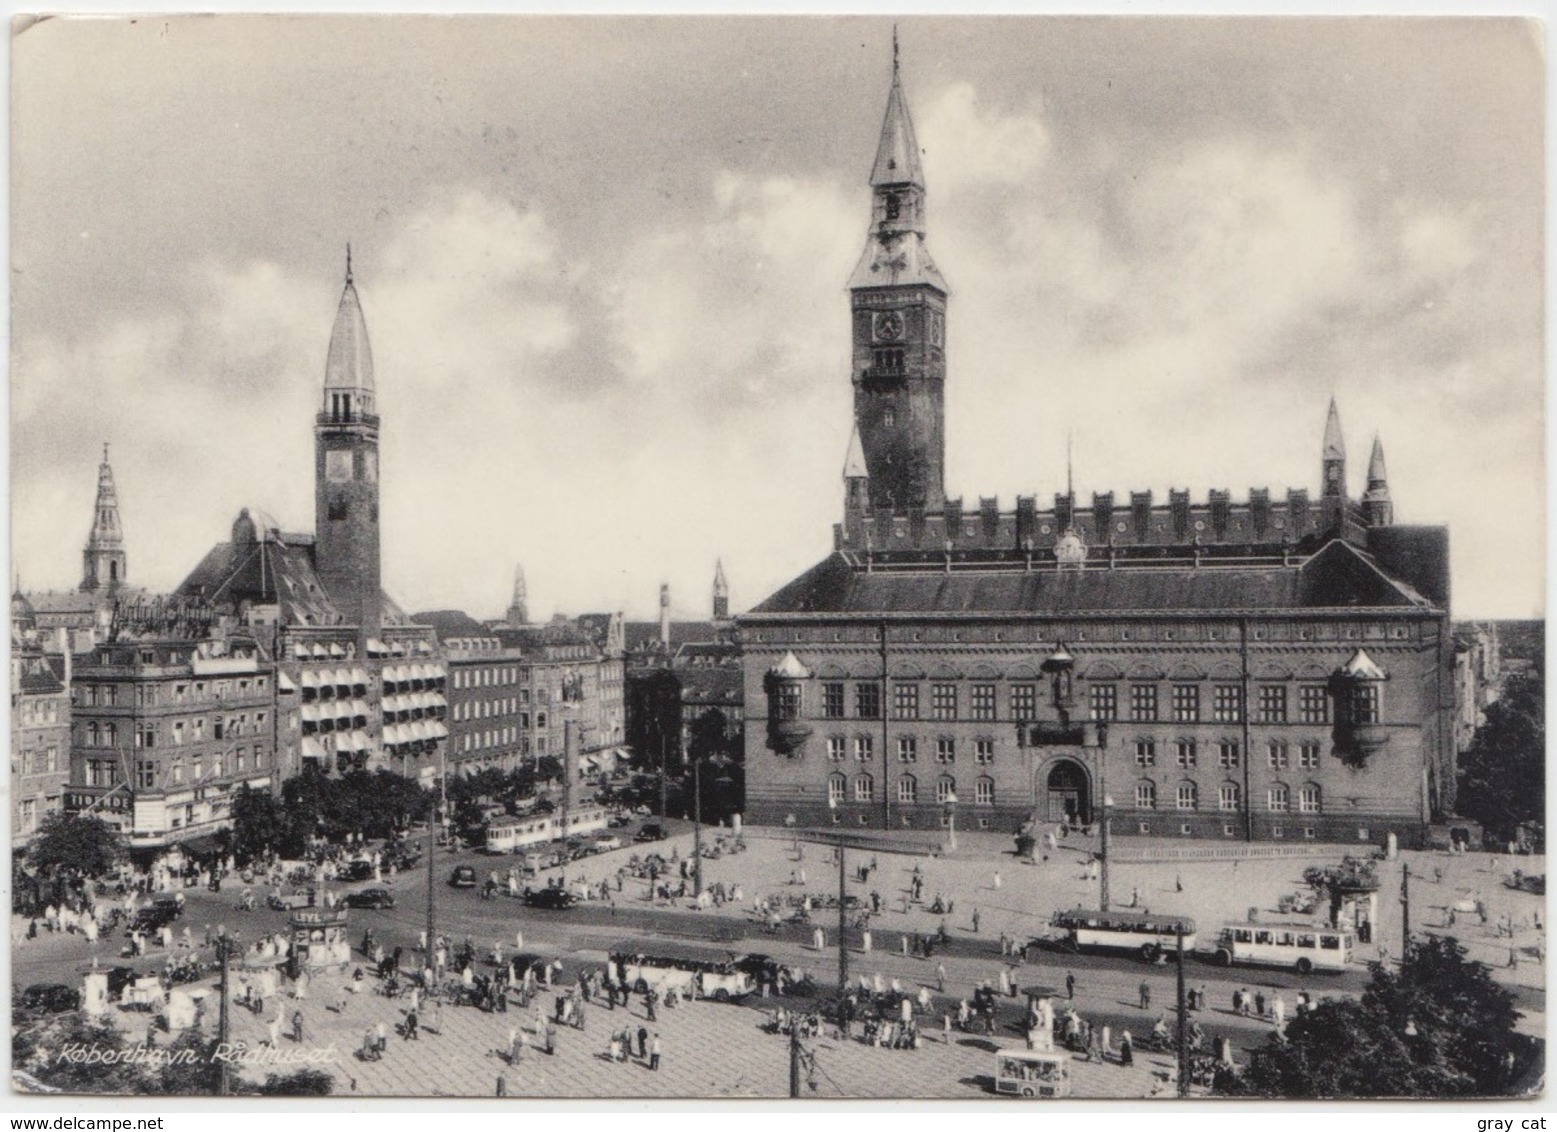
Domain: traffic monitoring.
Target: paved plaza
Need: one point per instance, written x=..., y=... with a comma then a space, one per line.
x=721, y=1050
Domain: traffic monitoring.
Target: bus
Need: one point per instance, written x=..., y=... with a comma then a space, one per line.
x=520, y=834
x=713, y=973
x=1149, y=935
x=1028, y=1073
x=1301, y=947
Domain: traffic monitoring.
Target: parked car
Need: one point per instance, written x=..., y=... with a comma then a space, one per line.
x=551, y=899
x=463, y=877
x=357, y=870
x=51, y=998
x=290, y=901
x=606, y=842
x=153, y=918
x=619, y=821
x=369, y=898
x=651, y=831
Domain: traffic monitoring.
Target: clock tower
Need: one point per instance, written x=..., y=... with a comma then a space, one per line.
x=898, y=308
x=346, y=542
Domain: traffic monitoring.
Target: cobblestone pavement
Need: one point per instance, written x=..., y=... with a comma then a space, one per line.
x=709, y=1050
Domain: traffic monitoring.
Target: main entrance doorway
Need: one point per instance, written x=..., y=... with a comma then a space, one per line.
x=1067, y=796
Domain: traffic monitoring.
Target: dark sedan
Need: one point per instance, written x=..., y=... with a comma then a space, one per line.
x=463, y=877
x=551, y=899
x=369, y=898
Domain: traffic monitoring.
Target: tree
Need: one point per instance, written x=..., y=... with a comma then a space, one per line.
x=1439, y=1027
x=81, y=843
x=1503, y=775
x=258, y=824
x=301, y=1083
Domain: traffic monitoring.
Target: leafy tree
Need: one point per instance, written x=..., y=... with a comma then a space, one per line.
x=302, y=1083
x=1503, y=775
x=39, y=1048
x=259, y=825
x=1439, y=1027
x=79, y=843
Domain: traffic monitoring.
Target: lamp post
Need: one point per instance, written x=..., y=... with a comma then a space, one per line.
x=843, y=951
x=1108, y=807
x=697, y=827
x=951, y=820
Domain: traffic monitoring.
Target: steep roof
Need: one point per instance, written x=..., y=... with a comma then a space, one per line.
x=646, y=634
x=349, y=364
x=897, y=153
x=451, y=623
x=1338, y=576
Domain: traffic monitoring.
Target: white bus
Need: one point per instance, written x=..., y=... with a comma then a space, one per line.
x=531, y=831
x=1148, y=934
x=1301, y=947
x=720, y=975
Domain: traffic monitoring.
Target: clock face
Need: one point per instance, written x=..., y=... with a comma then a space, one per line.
x=889, y=326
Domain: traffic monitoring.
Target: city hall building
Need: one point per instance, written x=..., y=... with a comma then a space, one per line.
x=1277, y=667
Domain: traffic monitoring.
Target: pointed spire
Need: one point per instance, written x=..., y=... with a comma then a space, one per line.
x=104, y=557
x=1376, y=474
x=518, y=605
x=349, y=364
x=721, y=586
x=1335, y=446
x=854, y=460
x=897, y=155
x=1070, y=480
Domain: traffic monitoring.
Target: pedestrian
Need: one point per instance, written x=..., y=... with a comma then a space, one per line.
x=649, y=999
x=502, y=1085
x=1259, y=1004
x=1146, y=995
x=297, y=1026
x=643, y=1042
x=551, y=1038
x=1178, y=882
x=1278, y=1011
x=654, y=1052
x=1126, y=1049
x=1070, y=985
x=1237, y=1002
x=940, y=977
x=946, y=1026
x=997, y=880
x=411, y=1023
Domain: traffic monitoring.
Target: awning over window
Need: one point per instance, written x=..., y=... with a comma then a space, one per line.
x=284, y=682
x=312, y=748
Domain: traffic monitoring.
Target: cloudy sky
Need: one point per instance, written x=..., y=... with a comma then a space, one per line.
x=603, y=266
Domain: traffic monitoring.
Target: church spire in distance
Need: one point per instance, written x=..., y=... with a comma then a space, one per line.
x=103, y=560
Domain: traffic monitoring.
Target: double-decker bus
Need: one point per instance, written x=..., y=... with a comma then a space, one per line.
x=642, y=964
x=1148, y=934
x=1301, y=947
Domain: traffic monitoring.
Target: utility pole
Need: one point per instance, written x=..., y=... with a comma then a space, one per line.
x=843, y=949
x=432, y=888
x=1108, y=805
x=1183, y=1043
x=1405, y=910
x=697, y=827
x=224, y=1082
x=794, y=1063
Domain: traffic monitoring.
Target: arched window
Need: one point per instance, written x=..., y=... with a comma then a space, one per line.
x=1308, y=798
x=908, y=789
x=864, y=788
x=1278, y=799
x=1227, y=796
x=984, y=791
x=945, y=788
x=837, y=789
x=1146, y=795
x=1188, y=797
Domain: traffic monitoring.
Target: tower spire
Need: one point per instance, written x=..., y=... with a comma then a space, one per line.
x=348, y=261
x=721, y=592
x=518, y=605
x=103, y=560
x=1376, y=503
x=894, y=53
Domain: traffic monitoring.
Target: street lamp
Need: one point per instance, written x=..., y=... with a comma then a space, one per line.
x=1108, y=807
x=951, y=820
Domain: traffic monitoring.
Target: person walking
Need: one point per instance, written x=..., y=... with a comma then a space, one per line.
x=297, y=1026
x=1146, y=995
x=940, y=977
x=654, y=1053
x=975, y=921
x=1070, y=985
x=643, y=1042
x=411, y=1024
x=997, y=880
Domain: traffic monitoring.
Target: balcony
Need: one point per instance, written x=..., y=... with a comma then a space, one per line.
x=787, y=735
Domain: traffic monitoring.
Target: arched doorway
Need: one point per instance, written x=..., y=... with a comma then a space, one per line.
x=1067, y=796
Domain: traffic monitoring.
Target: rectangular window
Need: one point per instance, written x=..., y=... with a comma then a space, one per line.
x=1105, y=702
x=1186, y=796
x=945, y=790
x=907, y=789
x=1227, y=754
x=146, y=735
x=1313, y=704
x=1308, y=755
x=984, y=792
x=1146, y=752
x=1145, y=796
x=1227, y=796
x=1227, y=703
x=867, y=701
x=178, y=733
x=905, y=701
x=1365, y=704
x=1186, y=703
x=981, y=699
x=836, y=790
x=907, y=749
x=943, y=701
x=832, y=701
x=864, y=748
x=837, y=749
x=1308, y=799
x=1276, y=799
x=984, y=751
x=864, y=788
x=1276, y=754
x=945, y=750
x=1273, y=703
x=51, y=760
x=789, y=701
x=1143, y=703
x=1184, y=752
x=1024, y=701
